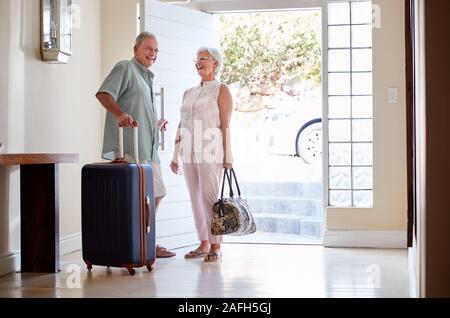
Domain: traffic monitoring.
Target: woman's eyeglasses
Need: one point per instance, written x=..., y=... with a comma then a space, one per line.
x=204, y=59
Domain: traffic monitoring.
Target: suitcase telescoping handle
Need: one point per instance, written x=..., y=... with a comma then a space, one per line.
x=136, y=143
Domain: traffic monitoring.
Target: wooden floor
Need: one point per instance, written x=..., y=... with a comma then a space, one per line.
x=247, y=270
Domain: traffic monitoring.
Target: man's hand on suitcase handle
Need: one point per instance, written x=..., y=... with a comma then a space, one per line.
x=126, y=120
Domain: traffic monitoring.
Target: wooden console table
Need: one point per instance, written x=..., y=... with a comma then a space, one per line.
x=39, y=212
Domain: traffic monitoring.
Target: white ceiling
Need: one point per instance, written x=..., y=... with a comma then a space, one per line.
x=249, y=5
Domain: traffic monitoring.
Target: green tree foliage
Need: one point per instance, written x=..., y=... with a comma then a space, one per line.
x=264, y=51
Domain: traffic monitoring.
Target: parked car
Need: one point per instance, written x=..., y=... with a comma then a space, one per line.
x=295, y=132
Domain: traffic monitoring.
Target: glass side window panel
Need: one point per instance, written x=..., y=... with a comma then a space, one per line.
x=362, y=83
x=340, y=178
x=339, y=37
x=339, y=61
x=361, y=12
x=362, y=106
x=350, y=104
x=339, y=107
x=362, y=130
x=361, y=36
x=362, y=178
x=339, y=84
x=363, y=199
x=339, y=13
x=340, y=198
x=339, y=130
x=362, y=154
x=340, y=154
x=362, y=60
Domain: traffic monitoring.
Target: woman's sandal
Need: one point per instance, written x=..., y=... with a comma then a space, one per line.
x=195, y=254
x=213, y=257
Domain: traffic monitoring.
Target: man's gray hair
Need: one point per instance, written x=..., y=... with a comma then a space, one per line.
x=215, y=53
x=142, y=36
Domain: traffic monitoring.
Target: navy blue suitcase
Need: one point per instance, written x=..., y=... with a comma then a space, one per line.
x=118, y=223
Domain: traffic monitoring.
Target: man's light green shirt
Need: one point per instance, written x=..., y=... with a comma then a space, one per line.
x=131, y=86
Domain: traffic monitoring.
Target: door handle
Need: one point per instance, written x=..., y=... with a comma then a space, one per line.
x=161, y=95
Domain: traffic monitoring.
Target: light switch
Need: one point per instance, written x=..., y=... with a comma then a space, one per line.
x=392, y=95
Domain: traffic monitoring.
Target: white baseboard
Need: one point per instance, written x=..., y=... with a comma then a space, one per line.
x=375, y=239
x=70, y=244
x=10, y=262
x=412, y=272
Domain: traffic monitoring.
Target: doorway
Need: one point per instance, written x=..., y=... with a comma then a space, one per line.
x=272, y=63
x=345, y=72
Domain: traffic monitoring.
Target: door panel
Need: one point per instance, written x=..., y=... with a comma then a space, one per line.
x=180, y=32
x=410, y=122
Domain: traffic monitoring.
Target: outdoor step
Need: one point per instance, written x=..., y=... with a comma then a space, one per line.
x=288, y=224
x=285, y=205
x=299, y=189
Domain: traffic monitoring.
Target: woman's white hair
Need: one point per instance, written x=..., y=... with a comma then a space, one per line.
x=215, y=53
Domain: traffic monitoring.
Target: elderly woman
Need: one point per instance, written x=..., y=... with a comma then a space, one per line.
x=202, y=142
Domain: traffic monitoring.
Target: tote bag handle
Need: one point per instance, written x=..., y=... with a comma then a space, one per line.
x=230, y=176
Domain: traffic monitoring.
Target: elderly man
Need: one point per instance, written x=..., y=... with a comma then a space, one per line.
x=127, y=95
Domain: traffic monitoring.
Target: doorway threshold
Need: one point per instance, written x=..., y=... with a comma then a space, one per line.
x=273, y=238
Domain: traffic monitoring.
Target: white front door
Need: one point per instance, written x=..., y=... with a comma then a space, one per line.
x=180, y=32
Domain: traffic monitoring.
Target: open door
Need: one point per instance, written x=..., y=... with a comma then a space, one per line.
x=410, y=12
x=180, y=32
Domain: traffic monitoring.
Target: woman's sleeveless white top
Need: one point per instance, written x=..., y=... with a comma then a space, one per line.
x=200, y=123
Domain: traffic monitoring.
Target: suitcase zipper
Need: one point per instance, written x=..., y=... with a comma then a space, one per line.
x=149, y=213
x=143, y=210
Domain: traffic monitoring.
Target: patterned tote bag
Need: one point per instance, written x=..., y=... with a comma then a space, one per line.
x=231, y=215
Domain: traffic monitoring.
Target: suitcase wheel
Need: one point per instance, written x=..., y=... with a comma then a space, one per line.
x=130, y=269
x=150, y=265
x=89, y=266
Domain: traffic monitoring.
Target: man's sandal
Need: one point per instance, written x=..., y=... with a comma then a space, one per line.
x=162, y=252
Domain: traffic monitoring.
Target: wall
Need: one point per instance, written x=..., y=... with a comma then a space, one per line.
x=118, y=38
x=389, y=212
x=47, y=108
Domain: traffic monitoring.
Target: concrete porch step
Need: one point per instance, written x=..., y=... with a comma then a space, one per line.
x=285, y=205
x=288, y=224
x=308, y=190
